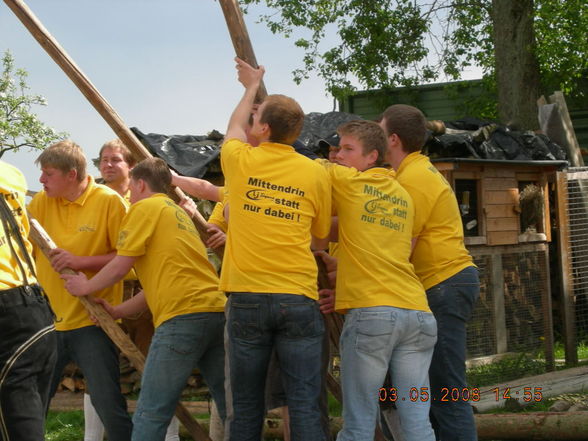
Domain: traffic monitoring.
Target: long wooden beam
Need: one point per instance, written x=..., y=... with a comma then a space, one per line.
x=75, y=74
x=42, y=240
x=240, y=38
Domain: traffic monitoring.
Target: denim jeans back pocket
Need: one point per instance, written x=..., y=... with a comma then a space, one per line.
x=301, y=319
x=428, y=330
x=245, y=320
x=374, y=330
x=181, y=333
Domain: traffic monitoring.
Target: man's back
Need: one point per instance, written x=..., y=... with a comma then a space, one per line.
x=277, y=198
x=440, y=251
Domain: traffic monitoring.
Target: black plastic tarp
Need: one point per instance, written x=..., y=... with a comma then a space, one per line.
x=189, y=155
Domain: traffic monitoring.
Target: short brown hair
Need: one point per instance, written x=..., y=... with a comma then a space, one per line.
x=155, y=172
x=65, y=156
x=408, y=123
x=117, y=144
x=284, y=117
x=370, y=134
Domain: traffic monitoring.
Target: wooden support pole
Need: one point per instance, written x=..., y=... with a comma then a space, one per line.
x=240, y=38
x=44, y=242
x=75, y=74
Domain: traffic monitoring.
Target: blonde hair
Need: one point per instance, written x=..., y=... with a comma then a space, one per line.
x=369, y=134
x=284, y=116
x=117, y=144
x=64, y=156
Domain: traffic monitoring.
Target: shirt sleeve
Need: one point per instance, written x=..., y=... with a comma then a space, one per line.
x=136, y=231
x=228, y=155
x=217, y=217
x=117, y=209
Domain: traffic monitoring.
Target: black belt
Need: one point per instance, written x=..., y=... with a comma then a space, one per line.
x=21, y=295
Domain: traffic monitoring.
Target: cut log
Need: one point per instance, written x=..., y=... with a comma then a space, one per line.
x=533, y=426
x=40, y=237
x=534, y=389
x=75, y=74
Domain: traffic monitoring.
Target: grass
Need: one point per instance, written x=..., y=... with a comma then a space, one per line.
x=510, y=368
x=64, y=426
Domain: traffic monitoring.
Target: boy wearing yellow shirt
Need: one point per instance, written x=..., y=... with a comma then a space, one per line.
x=28, y=342
x=277, y=199
x=180, y=287
x=83, y=219
x=441, y=262
x=388, y=324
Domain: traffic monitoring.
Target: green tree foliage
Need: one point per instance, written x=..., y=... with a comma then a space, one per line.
x=389, y=43
x=18, y=126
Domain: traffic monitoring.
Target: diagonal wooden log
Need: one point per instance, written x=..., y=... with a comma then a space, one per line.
x=240, y=38
x=75, y=74
x=44, y=242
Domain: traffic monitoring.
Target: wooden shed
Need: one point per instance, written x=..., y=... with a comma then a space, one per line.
x=508, y=238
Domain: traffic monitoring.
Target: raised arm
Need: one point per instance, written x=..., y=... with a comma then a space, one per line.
x=251, y=79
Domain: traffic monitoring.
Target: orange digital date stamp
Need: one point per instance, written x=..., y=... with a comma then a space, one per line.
x=527, y=394
x=447, y=394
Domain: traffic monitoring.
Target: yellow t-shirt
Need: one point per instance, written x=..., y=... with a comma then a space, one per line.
x=14, y=188
x=172, y=265
x=217, y=217
x=375, y=224
x=87, y=226
x=277, y=198
x=440, y=251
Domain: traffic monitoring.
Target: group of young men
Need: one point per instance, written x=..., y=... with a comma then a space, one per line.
x=404, y=280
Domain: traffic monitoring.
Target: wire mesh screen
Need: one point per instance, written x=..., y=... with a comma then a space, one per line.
x=515, y=322
x=480, y=342
x=577, y=212
x=506, y=337
x=525, y=287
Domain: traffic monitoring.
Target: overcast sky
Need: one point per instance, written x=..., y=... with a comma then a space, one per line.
x=164, y=66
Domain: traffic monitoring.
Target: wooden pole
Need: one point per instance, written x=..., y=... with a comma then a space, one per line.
x=42, y=240
x=240, y=39
x=75, y=74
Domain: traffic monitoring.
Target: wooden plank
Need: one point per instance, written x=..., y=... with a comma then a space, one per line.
x=546, y=208
x=467, y=174
x=500, y=183
x=44, y=242
x=240, y=38
x=571, y=142
x=503, y=224
x=494, y=171
x=500, y=210
x=565, y=264
x=532, y=177
x=475, y=240
x=85, y=86
x=497, y=286
x=509, y=196
x=503, y=237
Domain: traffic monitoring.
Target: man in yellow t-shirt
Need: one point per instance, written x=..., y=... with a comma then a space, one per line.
x=180, y=287
x=442, y=263
x=83, y=219
x=388, y=324
x=277, y=199
x=28, y=342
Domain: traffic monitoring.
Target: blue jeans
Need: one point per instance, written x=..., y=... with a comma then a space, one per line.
x=179, y=345
x=452, y=302
x=27, y=359
x=257, y=323
x=95, y=354
x=373, y=341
